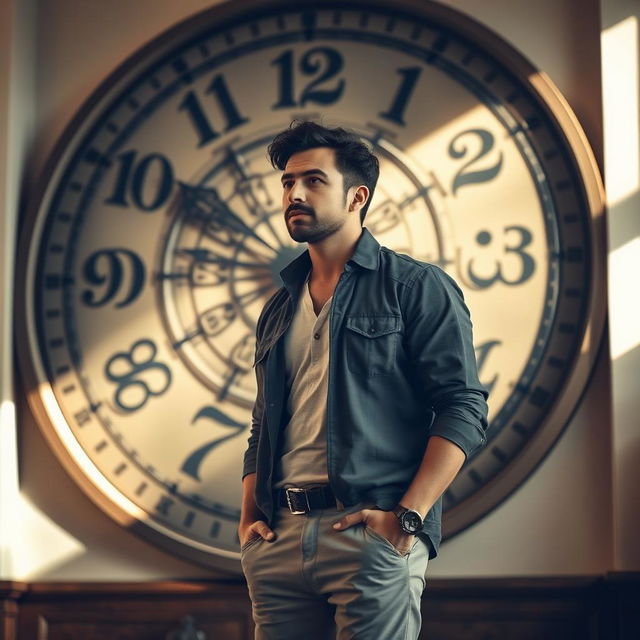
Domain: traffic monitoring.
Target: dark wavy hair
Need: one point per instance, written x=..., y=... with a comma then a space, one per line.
x=354, y=160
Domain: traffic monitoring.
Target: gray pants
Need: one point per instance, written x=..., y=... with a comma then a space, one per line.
x=316, y=583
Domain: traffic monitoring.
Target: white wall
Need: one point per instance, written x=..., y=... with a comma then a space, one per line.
x=558, y=523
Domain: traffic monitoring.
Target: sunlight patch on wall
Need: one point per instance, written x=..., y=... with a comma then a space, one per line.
x=624, y=306
x=620, y=106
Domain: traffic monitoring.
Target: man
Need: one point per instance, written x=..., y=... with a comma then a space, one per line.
x=368, y=403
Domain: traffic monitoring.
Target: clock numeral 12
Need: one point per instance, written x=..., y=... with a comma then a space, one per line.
x=325, y=60
x=191, y=104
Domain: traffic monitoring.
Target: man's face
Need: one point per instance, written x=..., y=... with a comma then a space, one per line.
x=313, y=198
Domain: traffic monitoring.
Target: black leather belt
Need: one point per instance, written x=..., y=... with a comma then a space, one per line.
x=300, y=500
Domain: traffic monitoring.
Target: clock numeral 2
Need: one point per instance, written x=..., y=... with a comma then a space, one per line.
x=191, y=104
x=324, y=60
x=148, y=184
x=126, y=368
x=456, y=151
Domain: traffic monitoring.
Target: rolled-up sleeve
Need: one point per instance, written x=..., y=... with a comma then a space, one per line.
x=438, y=335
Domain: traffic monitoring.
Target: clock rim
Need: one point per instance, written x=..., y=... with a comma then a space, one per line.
x=539, y=87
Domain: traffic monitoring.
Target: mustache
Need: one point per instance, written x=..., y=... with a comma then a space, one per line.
x=299, y=207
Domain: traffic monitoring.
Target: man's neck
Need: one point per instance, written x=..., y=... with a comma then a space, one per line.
x=329, y=256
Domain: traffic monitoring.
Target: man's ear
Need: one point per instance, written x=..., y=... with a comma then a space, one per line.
x=359, y=198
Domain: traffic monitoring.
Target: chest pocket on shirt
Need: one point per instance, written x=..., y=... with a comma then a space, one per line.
x=371, y=343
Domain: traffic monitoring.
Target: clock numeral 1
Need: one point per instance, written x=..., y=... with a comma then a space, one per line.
x=399, y=104
x=191, y=104
x=154, y=171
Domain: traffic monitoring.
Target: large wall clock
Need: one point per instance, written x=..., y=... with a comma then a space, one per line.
x=157, y=237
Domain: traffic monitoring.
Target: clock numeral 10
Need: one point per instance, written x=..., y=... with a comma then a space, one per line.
x=191, y=104
x=148, y=183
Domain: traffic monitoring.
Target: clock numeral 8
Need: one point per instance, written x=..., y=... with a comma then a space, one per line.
x=125, y=369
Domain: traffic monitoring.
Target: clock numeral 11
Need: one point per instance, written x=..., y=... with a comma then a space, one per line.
x=192, y=105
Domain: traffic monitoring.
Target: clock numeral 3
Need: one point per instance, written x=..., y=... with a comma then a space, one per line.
x=126, y=369
x=148, y=183
x=108, y=267
x=457, y=151
x=527, y=262
x=325, y=60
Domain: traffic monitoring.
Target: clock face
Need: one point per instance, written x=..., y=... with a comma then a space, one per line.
x=159, y=236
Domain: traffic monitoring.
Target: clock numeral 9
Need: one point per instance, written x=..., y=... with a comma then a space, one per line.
x=456, y=151
x=107, y=267
x=312, y=62
x=191, y=466
x=148, y=183
x=125, y=369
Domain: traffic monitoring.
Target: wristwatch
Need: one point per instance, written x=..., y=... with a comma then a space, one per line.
x=410, y=520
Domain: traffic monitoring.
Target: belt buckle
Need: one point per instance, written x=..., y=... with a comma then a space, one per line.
x=288, y=492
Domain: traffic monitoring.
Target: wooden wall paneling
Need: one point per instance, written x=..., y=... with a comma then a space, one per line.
x=10, y=593
x=567, y=608
x=140, y=611
x=522, y=609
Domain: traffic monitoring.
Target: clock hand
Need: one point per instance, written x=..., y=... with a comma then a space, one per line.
x=204, y=204
x=248, y=187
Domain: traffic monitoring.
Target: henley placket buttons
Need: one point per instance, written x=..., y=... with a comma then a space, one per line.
x=316, y=336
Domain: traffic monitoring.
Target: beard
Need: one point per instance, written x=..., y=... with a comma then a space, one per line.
x=311, y=230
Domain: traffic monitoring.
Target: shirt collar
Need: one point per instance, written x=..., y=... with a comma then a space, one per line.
x=366, y=255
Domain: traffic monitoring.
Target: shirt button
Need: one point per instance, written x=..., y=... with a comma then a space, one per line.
x=316, y=336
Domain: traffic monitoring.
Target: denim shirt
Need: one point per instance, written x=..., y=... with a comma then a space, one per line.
x=402, y=368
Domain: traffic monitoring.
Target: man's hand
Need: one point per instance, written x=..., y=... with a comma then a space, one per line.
x=385, y=523
x=257, y=529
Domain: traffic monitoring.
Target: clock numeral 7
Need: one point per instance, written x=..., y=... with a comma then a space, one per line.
x=191, y=466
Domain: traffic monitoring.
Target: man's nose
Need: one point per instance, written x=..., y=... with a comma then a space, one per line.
x=296, y=193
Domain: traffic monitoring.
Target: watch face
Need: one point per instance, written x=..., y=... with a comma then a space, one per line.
x=411, y=522
x=158, y=236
